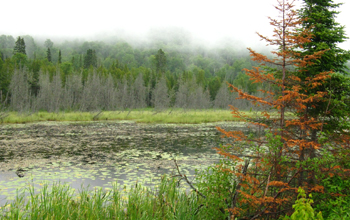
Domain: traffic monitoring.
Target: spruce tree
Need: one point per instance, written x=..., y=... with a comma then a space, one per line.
x=48, y=54
x=94, y=59
x=34, y=79
x=90, y=59
x=20, y=46
x=319, y=17
x=160, y=61
x=23, y=47
x=59, y=57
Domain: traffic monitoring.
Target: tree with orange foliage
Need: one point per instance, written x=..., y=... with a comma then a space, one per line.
x=279, y=162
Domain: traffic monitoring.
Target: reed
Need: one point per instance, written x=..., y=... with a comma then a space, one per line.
x=59, y=201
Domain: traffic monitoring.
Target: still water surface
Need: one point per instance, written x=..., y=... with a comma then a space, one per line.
x=97, y=154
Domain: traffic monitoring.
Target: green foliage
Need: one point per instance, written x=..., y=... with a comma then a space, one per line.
x=59, y=57
x=336, y=206
x=160, y=61
x=48, y=55
x=7, y=44
x=242, y=81
x=59, y=201
x=90, y=59
x=327, y=33
x=340, y=212
x=20, y=46
x=34, y=80
x=218, y=184
x=122, y=60
x=303, y=209
x=19, y=60
x=319, y=17
x=214, y=86
x=6, y=71
x=4, y=81
x=338, y=103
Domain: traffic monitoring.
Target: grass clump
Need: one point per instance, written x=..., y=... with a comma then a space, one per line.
x=60, y=202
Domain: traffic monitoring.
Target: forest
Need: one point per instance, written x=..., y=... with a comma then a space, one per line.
x=116, y=75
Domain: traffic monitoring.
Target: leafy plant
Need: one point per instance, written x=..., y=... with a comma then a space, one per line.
x=336, y=203
x=218, y=185
x=303, y=209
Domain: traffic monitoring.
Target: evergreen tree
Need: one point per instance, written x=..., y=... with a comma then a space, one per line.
x=5, y=79
x=94, y=59
x=34, y=79
x=90, y=59
x=48, y=54
x=23, y=47
x=59, y=57
x=20, y=46
x=160, y=61
x=319, y=17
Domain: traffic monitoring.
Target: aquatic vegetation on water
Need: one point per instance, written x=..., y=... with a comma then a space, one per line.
x=99, y=154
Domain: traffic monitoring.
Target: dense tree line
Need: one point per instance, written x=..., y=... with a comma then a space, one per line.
x=176, y=75
x=103, y=92
x=97, y=75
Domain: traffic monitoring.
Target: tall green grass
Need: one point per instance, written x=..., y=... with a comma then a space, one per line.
x=178, y=116
x=60, y=202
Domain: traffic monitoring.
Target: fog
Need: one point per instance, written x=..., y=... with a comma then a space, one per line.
x=206, y=22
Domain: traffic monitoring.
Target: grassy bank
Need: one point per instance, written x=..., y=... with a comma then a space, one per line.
x=142, y=116
x=177, y=116
x=60, y=202
x=166, y=201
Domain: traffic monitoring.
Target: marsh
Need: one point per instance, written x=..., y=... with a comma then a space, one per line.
x=100, y=153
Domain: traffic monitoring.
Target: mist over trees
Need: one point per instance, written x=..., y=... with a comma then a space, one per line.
x=110, y=75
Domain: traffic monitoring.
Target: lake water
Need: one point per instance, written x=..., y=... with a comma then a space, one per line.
x=101, y=153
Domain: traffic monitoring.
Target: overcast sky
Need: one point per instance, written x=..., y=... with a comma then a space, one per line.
x=208, y=20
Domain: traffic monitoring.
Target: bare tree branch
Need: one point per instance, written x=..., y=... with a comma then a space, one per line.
x=188, y=182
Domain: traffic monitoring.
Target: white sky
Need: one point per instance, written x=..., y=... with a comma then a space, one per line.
x=208, y=20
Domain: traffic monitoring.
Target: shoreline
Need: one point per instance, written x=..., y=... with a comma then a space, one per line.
x=146, y=116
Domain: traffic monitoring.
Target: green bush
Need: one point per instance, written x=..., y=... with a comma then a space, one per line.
x=338, y=205
x=303, y=209
x=219, y=187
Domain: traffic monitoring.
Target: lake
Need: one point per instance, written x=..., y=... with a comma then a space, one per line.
x=100, y=153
